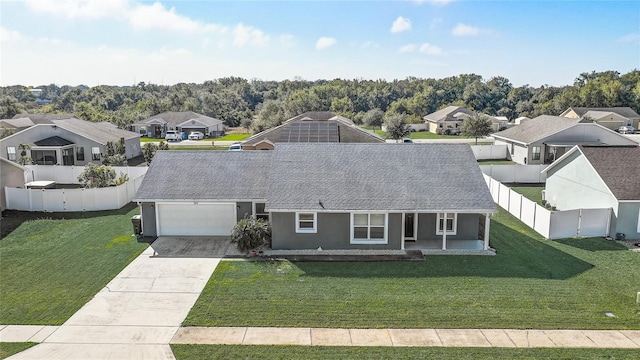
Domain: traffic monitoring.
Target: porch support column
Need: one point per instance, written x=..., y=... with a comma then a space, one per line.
x=487, y=222
x=444, y=232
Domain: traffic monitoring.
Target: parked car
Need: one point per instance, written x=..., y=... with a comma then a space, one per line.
x=173, y=136
x=235, y=147
x=626, y=130
x=407, y=141
x=196, y=135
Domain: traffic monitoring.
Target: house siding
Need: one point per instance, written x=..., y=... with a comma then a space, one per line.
x=334, y=232
x=10, y=176
x=149, y=219
x=467, y=227
x=627, y=221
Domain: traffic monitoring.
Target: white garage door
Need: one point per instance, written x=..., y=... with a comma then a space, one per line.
x=196, y=219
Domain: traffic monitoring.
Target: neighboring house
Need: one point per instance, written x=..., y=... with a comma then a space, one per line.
x=333, y=196
x=11, y=175
x=448, y=120
x=311, y=127
x=544, y=139
x=68, y=142
x=599, y=177
x=607, y=117
x=183, y=121
x=23, y=121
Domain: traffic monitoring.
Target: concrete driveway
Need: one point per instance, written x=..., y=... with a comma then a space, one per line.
x=137, y=314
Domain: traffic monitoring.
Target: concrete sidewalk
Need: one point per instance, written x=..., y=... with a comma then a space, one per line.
x=410, y=337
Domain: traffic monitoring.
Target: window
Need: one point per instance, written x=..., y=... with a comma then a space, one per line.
x=80, y=154
x=306, y=223
x=536, y=153
x=512, y=148
x=11, y=153
x=368, y=228
x=95, y=153
x=260, y=212
x=451, y=223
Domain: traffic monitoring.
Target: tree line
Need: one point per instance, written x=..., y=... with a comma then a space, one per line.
x=259, y=104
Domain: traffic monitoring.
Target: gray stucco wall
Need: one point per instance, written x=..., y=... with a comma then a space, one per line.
x=10, y=176
x=244, y=209
x=334, y=232
x=467, y=228
x=627, y=221
x=149, y=219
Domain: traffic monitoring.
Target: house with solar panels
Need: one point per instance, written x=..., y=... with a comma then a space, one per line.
x=333, y=196
x=312, y=127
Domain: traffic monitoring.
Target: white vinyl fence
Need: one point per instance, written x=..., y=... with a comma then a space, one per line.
x=490, y=152
x=63, y=200
x=531, y=174
x=550, y=224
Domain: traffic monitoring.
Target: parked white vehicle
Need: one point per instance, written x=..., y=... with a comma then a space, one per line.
x=173, y=136
x=196, y=135
x=235, y=147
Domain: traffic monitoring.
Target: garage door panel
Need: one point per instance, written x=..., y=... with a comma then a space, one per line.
x=196, y=219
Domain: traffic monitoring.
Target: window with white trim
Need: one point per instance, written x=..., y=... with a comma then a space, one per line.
x=260, y=212
x=535, y=152
x=306, y=222
x=368, y=228
x=95, y=153
x=451, y=223
x=80, y=153
x=11, y=153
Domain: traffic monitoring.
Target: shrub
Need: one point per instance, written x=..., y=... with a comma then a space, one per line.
x=251, y=234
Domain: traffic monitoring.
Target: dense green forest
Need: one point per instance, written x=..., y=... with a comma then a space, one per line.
x=262, y=104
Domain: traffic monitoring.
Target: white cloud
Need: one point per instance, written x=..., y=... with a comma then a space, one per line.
x=369, y=45
x=81, y=9
x=243, y=35
x=400, y=24
x=7, y=35
x=156, y=16
x=407, y=48
x=287, y=40
x=429, y=49
x=325, y=42
x=468, y=30
x=633, y=38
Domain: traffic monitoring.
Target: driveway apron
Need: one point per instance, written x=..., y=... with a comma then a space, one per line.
x=137, y=314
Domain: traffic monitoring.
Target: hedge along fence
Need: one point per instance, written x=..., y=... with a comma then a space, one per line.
x=67, y=200
x=550, y=224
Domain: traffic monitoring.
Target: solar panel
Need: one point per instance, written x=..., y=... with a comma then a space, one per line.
x=310, y=131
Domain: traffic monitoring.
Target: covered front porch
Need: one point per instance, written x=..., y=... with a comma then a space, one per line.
x=446, y=233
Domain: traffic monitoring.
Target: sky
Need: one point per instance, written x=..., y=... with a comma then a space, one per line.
x=124, y=42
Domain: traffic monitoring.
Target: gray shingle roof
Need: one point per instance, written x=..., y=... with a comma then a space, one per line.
x=448, y=112
x=44, y=118
x=206, y=175
x=619, y=168
x=538, y=128
x=53, y=141
x=429, y=177
x=627, y=112
x=98, y=132
x=174, y=118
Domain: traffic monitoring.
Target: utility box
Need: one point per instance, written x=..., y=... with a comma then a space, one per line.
x=136, y=221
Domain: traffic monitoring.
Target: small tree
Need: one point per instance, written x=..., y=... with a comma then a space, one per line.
x=25, y=158
x=251, y=234
x=397, y=128
x=478, y=125
x=116, y=154
x=246, y=123
x=94, y=176
x=373, y=118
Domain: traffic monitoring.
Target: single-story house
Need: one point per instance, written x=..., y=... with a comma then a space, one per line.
x=183, y=121
x=599, y=177
x=11, y=175
x=68, y=142
x=448, y=120
x=328, y=195
x=312, y=127
x=544, y=139
x=608, y=117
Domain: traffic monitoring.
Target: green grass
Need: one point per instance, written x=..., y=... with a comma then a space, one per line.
x=430, y=135
x=51, y=268
x=10, y=348
x=531, y=283
x=147, y=139
x=195, y=352
x=533, y=193
x=197, y=147
x=231, y=137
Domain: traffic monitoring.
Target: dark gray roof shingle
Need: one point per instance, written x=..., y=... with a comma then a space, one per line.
x=206, y=175
x=53, y=141
x=448, y=113
x=98, y=132
x=428, y=177
x=619, y=168
x=622, y=111
x=532, y=130
x=174, y=118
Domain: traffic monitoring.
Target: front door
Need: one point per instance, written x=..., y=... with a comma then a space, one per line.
x=410, y=226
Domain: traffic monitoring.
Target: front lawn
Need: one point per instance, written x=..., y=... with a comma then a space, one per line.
x=430, y=135
x=531, y=283
x=232, y=137
x=196, y=352
x=52, y=267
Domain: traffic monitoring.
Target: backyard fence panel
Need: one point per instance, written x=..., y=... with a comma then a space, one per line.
x=528, y=212
x=595, y=222
x=17, y=199
x=88, y=199
x=53, y=200
x=495, y=190
x=69, y=174
x=73, y=200
x=564, y=224
x=37, y=202
x=515, y=173
x=503, y=197
x=489, y=152
x=515, y=200
x=542, y=221
x=487, y=179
